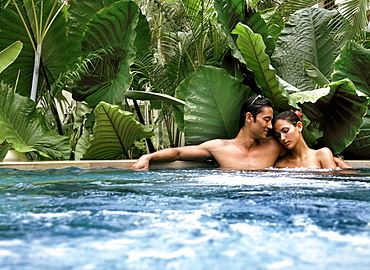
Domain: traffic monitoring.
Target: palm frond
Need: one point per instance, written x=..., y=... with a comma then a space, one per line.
x=353, y=14
x=290, y=6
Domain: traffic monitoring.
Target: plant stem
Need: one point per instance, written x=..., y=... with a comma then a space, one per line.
x=141, y=119
x=36, y=72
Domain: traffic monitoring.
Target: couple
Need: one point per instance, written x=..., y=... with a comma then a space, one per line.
x=252, y=148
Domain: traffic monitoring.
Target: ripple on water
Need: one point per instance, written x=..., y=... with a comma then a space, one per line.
x=184, y=219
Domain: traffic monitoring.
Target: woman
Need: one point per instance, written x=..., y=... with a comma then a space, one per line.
x=288, y=128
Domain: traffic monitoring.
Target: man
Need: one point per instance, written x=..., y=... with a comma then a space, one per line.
x=251, y=149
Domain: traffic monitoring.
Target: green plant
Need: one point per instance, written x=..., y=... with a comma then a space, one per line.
x=114, y=133
x=173, y=54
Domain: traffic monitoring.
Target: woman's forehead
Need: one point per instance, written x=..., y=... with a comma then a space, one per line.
x=280, y=123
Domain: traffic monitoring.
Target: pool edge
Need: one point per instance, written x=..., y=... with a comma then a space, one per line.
x=88, y=164
x=126, y=164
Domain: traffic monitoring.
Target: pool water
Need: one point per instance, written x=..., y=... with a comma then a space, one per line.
x=184, y=219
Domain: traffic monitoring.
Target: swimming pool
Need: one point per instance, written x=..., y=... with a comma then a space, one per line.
x=184, y=219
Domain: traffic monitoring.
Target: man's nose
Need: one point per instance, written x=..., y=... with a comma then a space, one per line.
x=269, y=125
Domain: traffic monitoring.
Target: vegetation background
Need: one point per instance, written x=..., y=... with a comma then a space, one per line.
x=95, y=79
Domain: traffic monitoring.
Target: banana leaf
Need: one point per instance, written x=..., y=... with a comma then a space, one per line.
x=213, y=103
x=337, y=110
x=109, y=77
x=306, y=38
x=9, y=54
x=253, y=49
x=24, y=129
x=353, y=63
x=114, y=133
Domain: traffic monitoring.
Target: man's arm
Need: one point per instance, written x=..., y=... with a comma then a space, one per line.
x=341, y=163
x=198, y=152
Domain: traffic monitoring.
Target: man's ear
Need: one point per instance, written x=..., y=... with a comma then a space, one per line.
x=249, y=117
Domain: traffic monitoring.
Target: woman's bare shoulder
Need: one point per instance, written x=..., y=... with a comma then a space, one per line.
x=324, y=152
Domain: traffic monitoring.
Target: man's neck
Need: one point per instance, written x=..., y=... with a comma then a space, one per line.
x=245, y=139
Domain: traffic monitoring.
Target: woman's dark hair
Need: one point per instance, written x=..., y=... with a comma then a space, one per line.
x=253, y=105
x=290, y=116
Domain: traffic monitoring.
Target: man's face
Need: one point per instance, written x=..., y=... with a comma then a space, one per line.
x=262, y=123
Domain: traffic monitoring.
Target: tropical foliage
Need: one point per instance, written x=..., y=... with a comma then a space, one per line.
x=194, y=61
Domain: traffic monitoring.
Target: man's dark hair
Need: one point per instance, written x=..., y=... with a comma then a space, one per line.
x=253, y=105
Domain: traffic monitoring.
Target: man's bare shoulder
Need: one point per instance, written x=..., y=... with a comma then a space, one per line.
x=216, y=143
x=274, y=144
x=271, y=141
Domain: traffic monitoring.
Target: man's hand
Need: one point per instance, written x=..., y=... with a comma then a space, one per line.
x=141, y=163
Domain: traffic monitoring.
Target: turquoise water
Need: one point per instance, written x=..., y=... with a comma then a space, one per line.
x=184, y=219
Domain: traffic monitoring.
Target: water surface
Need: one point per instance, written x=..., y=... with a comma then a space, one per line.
x=184, y=219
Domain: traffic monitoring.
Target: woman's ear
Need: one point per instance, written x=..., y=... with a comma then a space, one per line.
x=300, y=125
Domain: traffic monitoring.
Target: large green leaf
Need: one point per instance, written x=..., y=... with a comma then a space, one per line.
x=253, y=49
x=181, y=93
x=141, y=95
x=3, y=151
x=353, y=63
x=315, y=74
x=229, y=13
x=337, y=110
x=24, y=129
x=306, y=38
x=213, y=103
x=259, y=26
x=79, y=14
x=54, y=45
x=360, y=147
x=9, y=54
x=177, y=104
x=114, y=133
x=274, y=21
x=109, y=77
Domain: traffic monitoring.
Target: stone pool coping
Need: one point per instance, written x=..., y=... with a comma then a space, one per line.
x=126, y=164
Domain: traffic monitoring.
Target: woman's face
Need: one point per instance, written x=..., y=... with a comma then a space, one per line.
x=287, y=133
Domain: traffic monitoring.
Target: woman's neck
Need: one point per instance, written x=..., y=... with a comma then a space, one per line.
x=301, y=149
